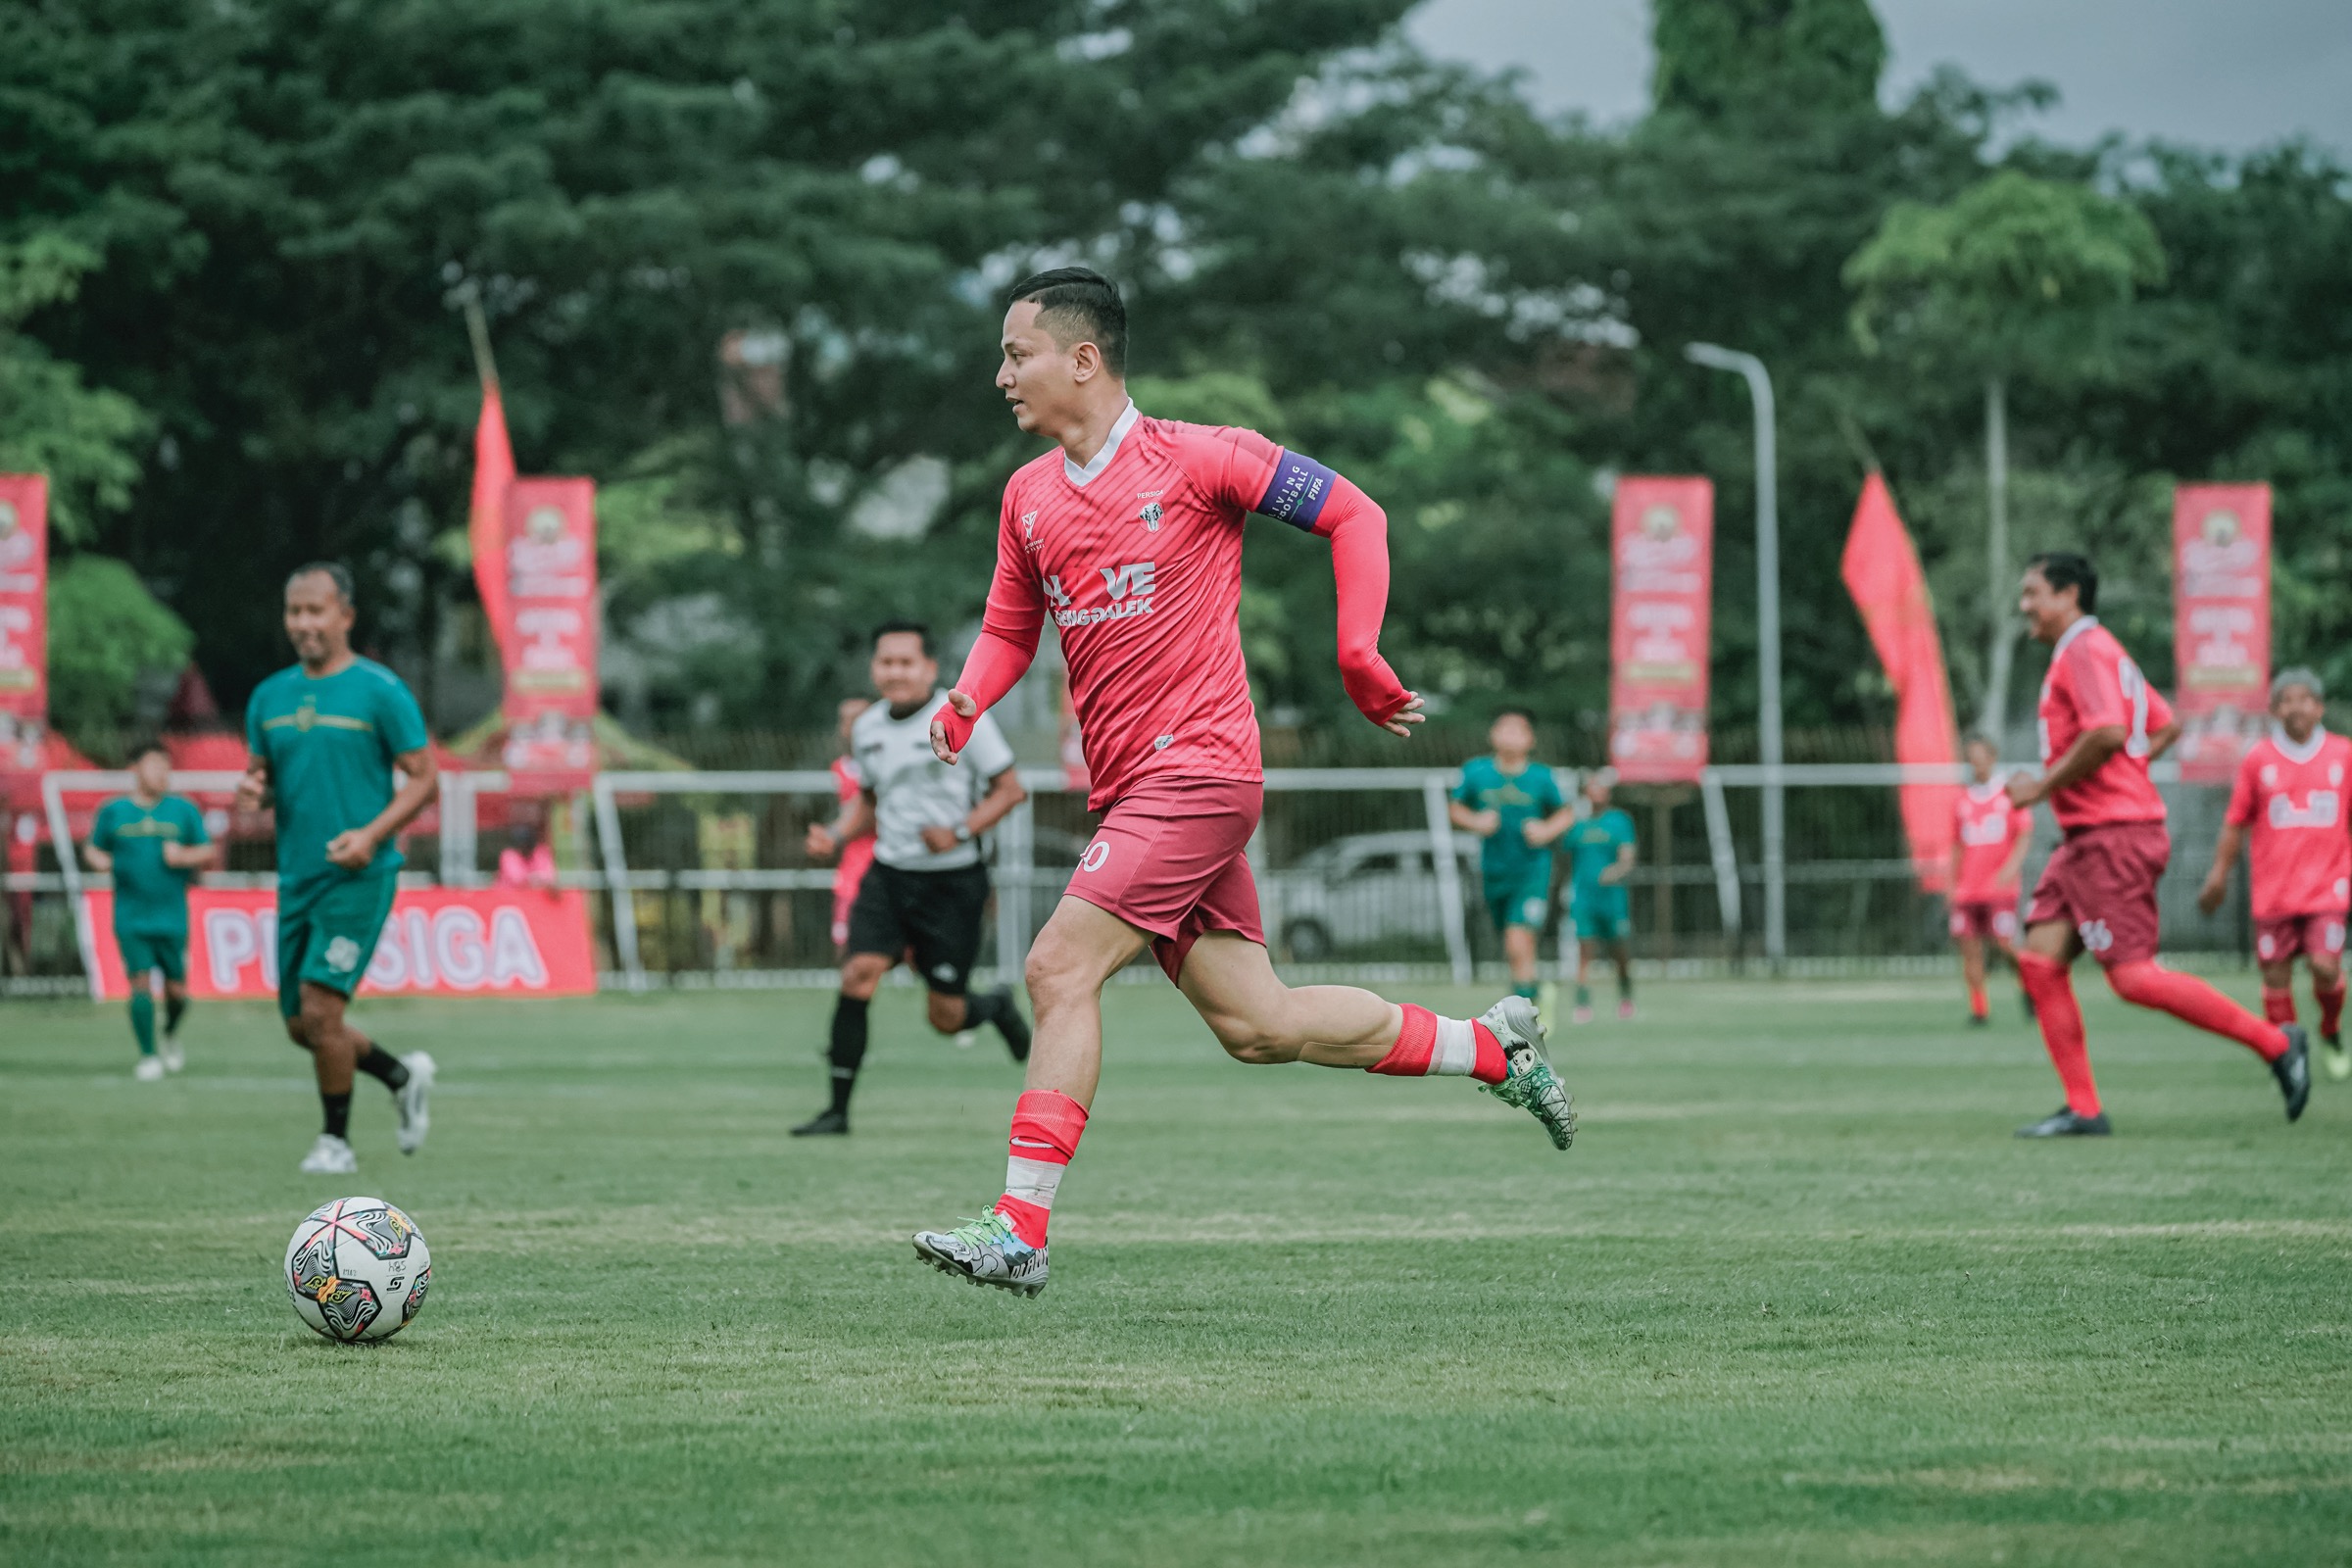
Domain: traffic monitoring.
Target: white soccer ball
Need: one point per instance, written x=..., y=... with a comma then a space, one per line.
x=357, y=1269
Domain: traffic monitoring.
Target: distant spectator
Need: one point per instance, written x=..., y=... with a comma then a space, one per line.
x=526, y=861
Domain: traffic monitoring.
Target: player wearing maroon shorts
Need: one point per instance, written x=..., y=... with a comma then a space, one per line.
x=1128, y=531
x=2101, y=725
x=2290, y=794
x=1988, y=853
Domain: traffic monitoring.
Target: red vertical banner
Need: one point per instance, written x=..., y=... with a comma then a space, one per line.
x=23, y=621
x=1662, y=551
x=1880, y=569
x=550, y=638
x=2220, y=623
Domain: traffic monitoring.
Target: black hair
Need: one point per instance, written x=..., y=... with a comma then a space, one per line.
x=333, y=571
x=2063, y=569
x=1502, y=713
x=144, y=747
x=1079, y=305
x=916, y=629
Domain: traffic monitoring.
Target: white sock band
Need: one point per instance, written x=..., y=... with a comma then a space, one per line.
x=1032, y=1181
x=1456, y=1050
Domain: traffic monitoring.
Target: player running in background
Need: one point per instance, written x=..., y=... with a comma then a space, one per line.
x=1516, y=806
x=2101, y=725
x=152, y=842
x=1128, y=531
x=923, y=898
x=849, y=873
x=2291, y=792
x=1600, y=855
x=325, y=735
x=1991, y=834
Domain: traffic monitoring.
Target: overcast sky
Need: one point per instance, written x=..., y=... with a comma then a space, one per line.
x=2223, y=73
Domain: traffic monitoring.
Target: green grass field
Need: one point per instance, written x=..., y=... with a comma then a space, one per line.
x=1796, y=1297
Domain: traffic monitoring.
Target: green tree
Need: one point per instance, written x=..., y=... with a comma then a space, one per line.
x=1717, y=57
x=2015, y=276
x=81, y=437
x=106, y=634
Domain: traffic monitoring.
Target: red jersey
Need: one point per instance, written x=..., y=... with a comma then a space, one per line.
x=2091, y=684
x=1138, y=558
x=2295, y=798
x=1990, y=828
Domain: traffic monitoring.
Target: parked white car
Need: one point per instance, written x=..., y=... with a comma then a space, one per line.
x=1360, y=890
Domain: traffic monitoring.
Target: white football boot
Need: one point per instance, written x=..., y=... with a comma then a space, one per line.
x=414, y=1099
x=329, y=1156
x=149, y=1069
x=175, y=1059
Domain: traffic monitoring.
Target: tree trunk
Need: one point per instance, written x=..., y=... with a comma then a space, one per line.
x=1999, y=581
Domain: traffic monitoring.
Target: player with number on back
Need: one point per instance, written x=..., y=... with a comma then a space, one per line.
x=1128, y=531
x=1990, y=838
x=325, y=735
x=2101, y=724
x=152, y=842
x=2290, y=794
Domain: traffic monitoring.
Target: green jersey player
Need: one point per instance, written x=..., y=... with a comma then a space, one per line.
x=1515, y=804
x=152, y=842
x=1600, y=851
x=325, y=735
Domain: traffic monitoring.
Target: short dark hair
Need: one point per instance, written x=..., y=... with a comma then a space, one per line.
x=1079, y=305
x=145, y=747
x=333, y=571
x=914, y=629
x=1502, y=713
x=2063, y=569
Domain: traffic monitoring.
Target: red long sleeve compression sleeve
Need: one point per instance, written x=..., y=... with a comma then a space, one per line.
x=997, y=659
x=1359, y=531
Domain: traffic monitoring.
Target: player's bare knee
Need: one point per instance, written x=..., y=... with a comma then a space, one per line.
x=862, y=976
x=946, y=1012
x=296, y=1033
x=1058, y=977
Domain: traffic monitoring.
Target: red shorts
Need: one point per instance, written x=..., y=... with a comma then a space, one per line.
x=2102, y=882
x=2278, y=941
x=1986, y=917
x=1170, y=859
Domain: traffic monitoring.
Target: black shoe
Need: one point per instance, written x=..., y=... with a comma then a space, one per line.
x=826, y=1124
x=1012, y=1025
x=2293, y=1071
x=2064, y=1123
x=1977, y=1020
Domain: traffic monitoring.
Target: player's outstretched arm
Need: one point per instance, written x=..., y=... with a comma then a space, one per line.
x=97, y=860
x=2225, y=856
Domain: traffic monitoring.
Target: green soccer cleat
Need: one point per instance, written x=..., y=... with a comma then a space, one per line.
x=986, y=1251
x=2338, y=1058
x=1530, y=1084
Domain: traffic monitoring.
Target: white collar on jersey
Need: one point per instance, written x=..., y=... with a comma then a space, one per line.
x=1981, y=793
x=2070, y=633
x=1110, y=449
x=2298, y=753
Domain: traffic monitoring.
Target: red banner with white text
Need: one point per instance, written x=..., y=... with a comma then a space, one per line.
x=1663, y=556
x=23, y=621
x=551, y=645
x=440, y=942
x=2220, y=623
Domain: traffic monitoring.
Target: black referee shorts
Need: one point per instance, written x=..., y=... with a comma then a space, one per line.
x=932, y=916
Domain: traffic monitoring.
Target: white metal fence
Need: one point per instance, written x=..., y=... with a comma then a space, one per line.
x=699, y=878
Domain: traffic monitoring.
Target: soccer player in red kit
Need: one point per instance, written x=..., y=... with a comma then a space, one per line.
x=2101, y=724
x=1990, y=836
x=2291, y=792
x=1128, y=531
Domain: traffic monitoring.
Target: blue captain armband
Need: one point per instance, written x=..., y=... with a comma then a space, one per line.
x=1296, y=493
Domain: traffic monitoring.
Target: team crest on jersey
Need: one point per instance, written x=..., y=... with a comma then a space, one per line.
x=1029, y=529
x=1152, y=513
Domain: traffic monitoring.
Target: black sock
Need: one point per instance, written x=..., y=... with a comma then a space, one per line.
x=383, y=1067
x=849, y=1048
x=987, y=1007
x=175, y=1009
x=338, y=1112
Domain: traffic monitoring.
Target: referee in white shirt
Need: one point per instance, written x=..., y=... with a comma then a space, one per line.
x=923, y=897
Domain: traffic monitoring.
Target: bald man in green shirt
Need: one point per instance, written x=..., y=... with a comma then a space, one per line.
x=325, y=735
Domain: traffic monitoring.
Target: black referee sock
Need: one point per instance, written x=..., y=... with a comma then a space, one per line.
x=338, y=1112
x=987, y=1007
x=383, y=1067
x=174, y=1010
x=849, y=1048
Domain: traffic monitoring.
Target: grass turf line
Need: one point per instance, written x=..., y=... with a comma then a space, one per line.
x=1796, y=1296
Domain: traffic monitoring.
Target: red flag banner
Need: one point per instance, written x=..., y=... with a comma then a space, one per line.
x=442, y=942
x=486, y=520
x=1880, y=569
x=23, y=621
x=2220, y=623
x=1663, y=556
x=550, y=640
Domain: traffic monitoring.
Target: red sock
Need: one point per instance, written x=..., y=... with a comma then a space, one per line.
x=2279, y=1006
x=1977, y=1005
x=1430, y=1047
x=2061, y=1019
x=2149, y=984
x=1046, y=1126
x=2332, y=1007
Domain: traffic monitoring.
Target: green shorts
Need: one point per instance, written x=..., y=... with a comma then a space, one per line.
x=327, y=937
x=1523, y=899
x=1606, y=917
x=146, y=950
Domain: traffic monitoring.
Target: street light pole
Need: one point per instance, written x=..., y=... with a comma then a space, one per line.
x=1768, y=638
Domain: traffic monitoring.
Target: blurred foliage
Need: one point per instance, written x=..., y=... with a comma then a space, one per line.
x=106, y=634
x=1395, y=265
x=81, y=437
